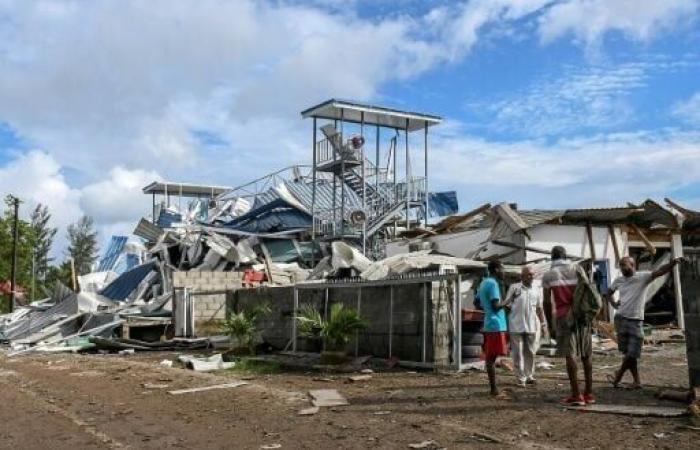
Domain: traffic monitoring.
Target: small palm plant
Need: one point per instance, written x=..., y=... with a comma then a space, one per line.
x=336, y=331
x=242, y=326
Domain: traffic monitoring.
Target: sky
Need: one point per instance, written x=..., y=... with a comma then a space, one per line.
x=550, y=104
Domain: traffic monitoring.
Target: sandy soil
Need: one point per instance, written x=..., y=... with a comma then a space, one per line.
x=108, y=401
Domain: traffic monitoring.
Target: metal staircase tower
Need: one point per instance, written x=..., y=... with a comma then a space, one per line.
x=368, y=202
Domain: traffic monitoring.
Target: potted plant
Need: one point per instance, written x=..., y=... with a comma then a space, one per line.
x=335, y=331
x=241, y=327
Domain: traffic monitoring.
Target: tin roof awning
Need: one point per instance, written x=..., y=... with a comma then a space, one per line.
x=184, y=189
x=333, y=109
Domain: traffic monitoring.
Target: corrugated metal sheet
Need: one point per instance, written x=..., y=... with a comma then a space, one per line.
x=275, y=216
x=166, y=219
x=534, y=217
x=114, y=249
x=36, y=321
x=303, y=192
x=600, y=215
x=442, y=203
x=127, y=282
x=145, y=229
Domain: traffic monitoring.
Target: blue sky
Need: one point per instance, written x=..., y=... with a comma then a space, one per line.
x=547, y=103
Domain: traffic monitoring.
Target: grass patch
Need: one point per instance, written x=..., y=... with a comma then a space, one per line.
x=256, y=366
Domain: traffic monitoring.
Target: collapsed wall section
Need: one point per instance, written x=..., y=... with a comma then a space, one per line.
x=412, y=320
x=208, y=292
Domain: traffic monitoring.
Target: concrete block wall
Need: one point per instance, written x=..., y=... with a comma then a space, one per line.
x=209, y=309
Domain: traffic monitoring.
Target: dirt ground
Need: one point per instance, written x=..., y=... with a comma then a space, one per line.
x=112, y=401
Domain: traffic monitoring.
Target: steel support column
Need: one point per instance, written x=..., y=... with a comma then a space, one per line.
x=313, y=194
x=425, y=143
x=408, y=182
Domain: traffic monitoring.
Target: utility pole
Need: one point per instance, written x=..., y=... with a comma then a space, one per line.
x=13, y=279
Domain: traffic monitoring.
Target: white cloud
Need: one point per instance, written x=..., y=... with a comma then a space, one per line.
x=602, y=170
x=594, y=97
x=588, y=21
x=118, y=198
x=36, y=177
x=113, y=91
x=689, y=110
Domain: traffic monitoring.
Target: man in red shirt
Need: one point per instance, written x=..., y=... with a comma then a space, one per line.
x=559, y=285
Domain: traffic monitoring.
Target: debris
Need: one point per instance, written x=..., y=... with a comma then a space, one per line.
x=327, y=397
x=356, y=378
x=154, y=386
x=425, y=444
x=629, y=410
x=88, y=373
x=367, y=371
x=478, y=366
x=214, y=362
x=270, y=446
x=661, y=435
x=208, y=388
x=381, y=413
x=309, y=411
x=545, y=365
x=166, y=363
x=682, y=396
x=486, y=437
x=127, y=351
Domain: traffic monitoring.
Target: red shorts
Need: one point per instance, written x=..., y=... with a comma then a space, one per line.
x=495, y=344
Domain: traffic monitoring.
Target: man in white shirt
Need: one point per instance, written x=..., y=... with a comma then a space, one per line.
x=629, y=318
x=525, y=320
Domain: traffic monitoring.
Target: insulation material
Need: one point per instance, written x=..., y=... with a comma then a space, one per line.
x=346, y=257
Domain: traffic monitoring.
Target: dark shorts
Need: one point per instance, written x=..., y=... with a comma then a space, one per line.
x=574, y=341
x=495, y=344
x=630, y=336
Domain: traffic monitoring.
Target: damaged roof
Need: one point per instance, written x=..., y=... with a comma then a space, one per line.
x=351, y=111
x=184, y=189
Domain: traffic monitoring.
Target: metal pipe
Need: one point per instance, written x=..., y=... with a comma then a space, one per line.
x=376, y=163
x=391, y=317
x=408, y=181
x=294, y=318
x=393, y=176
x=313, y=196
x=342, y=174
x=357, y=333
x=335, y=187
x=425, y=321
x=426, y=174
x=15, y=240
x=364, y=183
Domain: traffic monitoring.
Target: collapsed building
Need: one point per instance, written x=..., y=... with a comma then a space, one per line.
x=350, y=228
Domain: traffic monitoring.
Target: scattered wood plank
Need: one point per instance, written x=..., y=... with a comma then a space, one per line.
x=309, y=411
x=632, y=410
x=327, y=397
x=208, y=388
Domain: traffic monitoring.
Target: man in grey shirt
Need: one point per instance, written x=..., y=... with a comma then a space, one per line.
x=632, y=286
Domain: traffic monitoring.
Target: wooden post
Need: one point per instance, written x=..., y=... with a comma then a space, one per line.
x=591, y=245
x=677, y=252
x=647, y=243
x=73, y=275
x=616, y=248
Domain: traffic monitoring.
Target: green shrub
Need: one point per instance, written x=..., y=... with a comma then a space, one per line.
x=336, y=331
